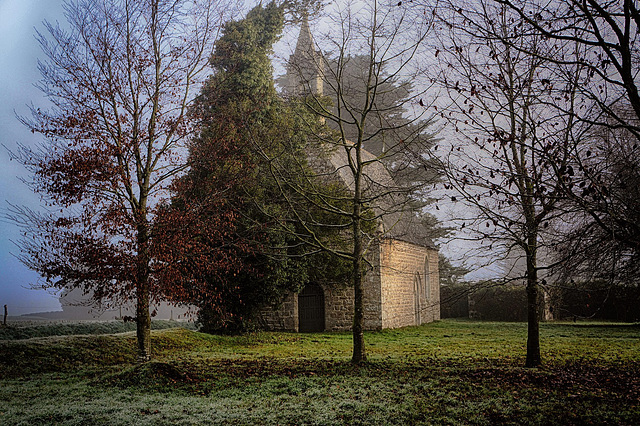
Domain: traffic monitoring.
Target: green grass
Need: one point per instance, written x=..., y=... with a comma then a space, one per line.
x=449, y=372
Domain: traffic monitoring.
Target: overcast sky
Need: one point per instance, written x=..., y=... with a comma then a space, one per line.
x=19, y=53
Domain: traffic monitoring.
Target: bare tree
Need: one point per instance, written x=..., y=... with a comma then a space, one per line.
x=608, y=97
x=602, y=240
x=386, y=43
x=609, y=34
x=505, y=145
x=120, y=80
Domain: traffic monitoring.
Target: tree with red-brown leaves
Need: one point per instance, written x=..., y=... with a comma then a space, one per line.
x=120, y=81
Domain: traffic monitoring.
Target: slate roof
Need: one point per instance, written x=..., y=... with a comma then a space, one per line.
x=389, y=200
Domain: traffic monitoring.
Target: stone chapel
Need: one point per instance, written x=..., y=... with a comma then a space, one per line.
x=402, y=286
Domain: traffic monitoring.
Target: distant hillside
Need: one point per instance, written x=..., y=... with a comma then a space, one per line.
x=86, y=313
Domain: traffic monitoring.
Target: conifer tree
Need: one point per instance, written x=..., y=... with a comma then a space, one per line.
x=228, y=217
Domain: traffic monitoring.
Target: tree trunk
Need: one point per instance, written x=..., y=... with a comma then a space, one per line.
x=359, y=354
x=143, y=330
x=533, y=307
x=533, y=330
x=143, y=317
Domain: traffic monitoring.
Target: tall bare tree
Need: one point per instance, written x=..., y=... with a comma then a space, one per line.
x=385, y=42
x=602, y=240
x=120, y=80
x=505, y=144
x=608, y=97
x=609, y=33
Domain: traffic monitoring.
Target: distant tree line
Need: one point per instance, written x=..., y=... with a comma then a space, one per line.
x=494, y=301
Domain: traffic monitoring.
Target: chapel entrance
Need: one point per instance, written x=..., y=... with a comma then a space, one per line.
x=311, y=309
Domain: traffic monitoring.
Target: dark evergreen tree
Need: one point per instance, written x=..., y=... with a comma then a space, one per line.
x=242, y=253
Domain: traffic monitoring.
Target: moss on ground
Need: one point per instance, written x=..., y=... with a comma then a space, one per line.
x=450, y=372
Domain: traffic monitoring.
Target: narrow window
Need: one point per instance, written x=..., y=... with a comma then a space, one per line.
x=427, y=279
x=418, y=289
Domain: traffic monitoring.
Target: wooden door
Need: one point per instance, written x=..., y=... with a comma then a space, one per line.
x=311, y=309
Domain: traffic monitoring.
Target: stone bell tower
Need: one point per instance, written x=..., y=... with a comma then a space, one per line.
x=305, y=67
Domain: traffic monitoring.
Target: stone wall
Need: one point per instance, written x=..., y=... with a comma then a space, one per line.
x=431, y=307
x=410, y=291
x=338, y=305
x=339, y=301
x=400, y=271
x=283, y=317
x=338, y=308
x=373, y=291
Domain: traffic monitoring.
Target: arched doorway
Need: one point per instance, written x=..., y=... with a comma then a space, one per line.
x=311, y=309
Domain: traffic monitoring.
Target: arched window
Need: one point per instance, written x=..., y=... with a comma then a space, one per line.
x=427, y=279
x=417, y=284
x=418, y=289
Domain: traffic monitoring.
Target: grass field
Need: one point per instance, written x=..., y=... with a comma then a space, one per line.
x=449, y=372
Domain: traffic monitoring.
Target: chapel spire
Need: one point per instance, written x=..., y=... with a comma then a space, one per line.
x=305, y=67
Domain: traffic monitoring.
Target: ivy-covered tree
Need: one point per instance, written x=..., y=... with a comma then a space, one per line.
x=237, y=250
